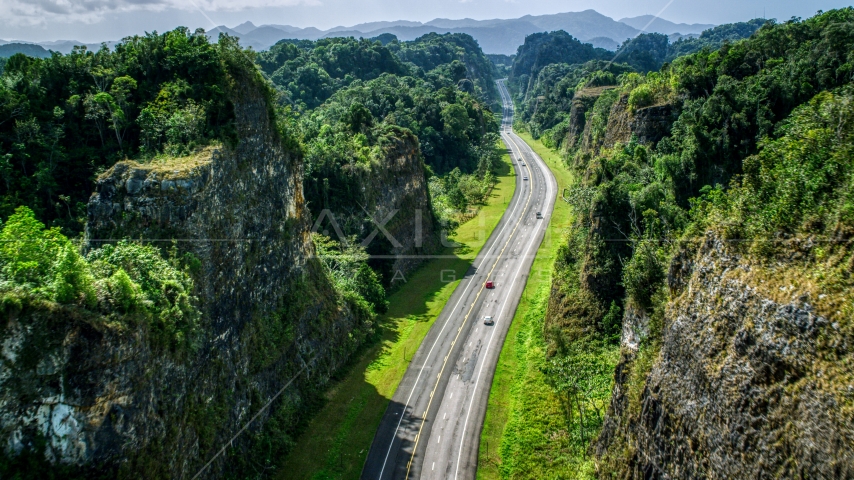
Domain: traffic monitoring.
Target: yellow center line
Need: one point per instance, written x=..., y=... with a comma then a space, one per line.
x=494, y=265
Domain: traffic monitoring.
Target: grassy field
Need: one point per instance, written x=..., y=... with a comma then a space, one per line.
x=525, y=434
x=336, y=442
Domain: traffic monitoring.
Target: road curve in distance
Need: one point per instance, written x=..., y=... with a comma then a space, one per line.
x=431, y=428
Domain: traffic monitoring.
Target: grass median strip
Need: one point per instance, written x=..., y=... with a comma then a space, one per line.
x=336, y=441
x=520, y=401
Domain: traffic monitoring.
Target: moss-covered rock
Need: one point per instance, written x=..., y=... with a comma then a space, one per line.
x=740, y=382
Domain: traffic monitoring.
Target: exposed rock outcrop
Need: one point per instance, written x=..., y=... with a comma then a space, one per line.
x=393, y=198
x=648, y=124
x=581, y=104
x=744, y=385
x=104, y=397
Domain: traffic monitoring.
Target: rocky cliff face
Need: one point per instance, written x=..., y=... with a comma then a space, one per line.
x=648, y=125
x=581, y=104
x=394, y=196
x=103, y=397
x=402, y=186
x=743, y=378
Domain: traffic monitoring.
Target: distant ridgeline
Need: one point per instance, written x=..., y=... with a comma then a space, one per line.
x=28, y=49
x=118, y=169
x=714, y=217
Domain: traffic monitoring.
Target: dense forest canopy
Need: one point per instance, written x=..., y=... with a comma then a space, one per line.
x=649, y=51
x=751, y=150
x=541, y=49
x=341, y=105
x=311, y=72
x=545, y=100
x=434, y=50
x=67, y=117
x=547, y=115
x=435, y=90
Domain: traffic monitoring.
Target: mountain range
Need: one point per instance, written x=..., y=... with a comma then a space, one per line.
x=651, y=23
x=497, y=36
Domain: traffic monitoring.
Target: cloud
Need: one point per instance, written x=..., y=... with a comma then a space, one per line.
x=41, y=12
x=229, y=5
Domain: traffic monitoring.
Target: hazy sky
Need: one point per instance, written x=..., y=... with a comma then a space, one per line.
x=99, y=20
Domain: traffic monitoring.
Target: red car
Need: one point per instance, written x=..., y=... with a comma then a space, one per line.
x=490, y=284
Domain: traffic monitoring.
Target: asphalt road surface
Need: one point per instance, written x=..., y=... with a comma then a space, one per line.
x=432, y=426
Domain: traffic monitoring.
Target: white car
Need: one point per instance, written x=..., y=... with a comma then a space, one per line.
x=488, y=320
x=525, y=178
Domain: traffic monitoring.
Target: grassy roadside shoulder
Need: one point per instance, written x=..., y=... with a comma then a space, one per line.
x=521, y=405
x=336, y=441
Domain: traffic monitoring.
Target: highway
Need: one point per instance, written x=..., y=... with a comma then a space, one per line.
x=431, y=428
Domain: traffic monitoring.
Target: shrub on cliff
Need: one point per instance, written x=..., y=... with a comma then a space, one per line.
x=347, y=264
x=127, y=282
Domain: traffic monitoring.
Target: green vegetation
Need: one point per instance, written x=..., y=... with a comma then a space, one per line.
x=647, y=194
x=336, y=442
x=799, y=183
x=649, y=51
x=443, y=57
x=453, y=130
x=714, y=38
x=344, y=108
x=532, y=428
x=558, y=86
x=128, y=283
x=65, y=118
x=546, y=95
x=348, y=267
x=543, y=49
x=346, y=103
x=766, y=176
x=310, y=72
x=503, y=64
x=426, y=100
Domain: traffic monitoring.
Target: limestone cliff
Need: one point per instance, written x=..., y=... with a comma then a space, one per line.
x=743, y=376
x=393, y=196
x=582, y=102
x=648, y=124
x=618, y=123
x=99, y=395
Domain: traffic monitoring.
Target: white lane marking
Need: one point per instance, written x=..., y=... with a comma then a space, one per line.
x=434, y=466
x=477, y=381
x=439, y=440
x=445, y=416
x=493, y=248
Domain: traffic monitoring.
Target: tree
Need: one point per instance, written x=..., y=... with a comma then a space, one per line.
x=456, y=121
x=583, y=378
